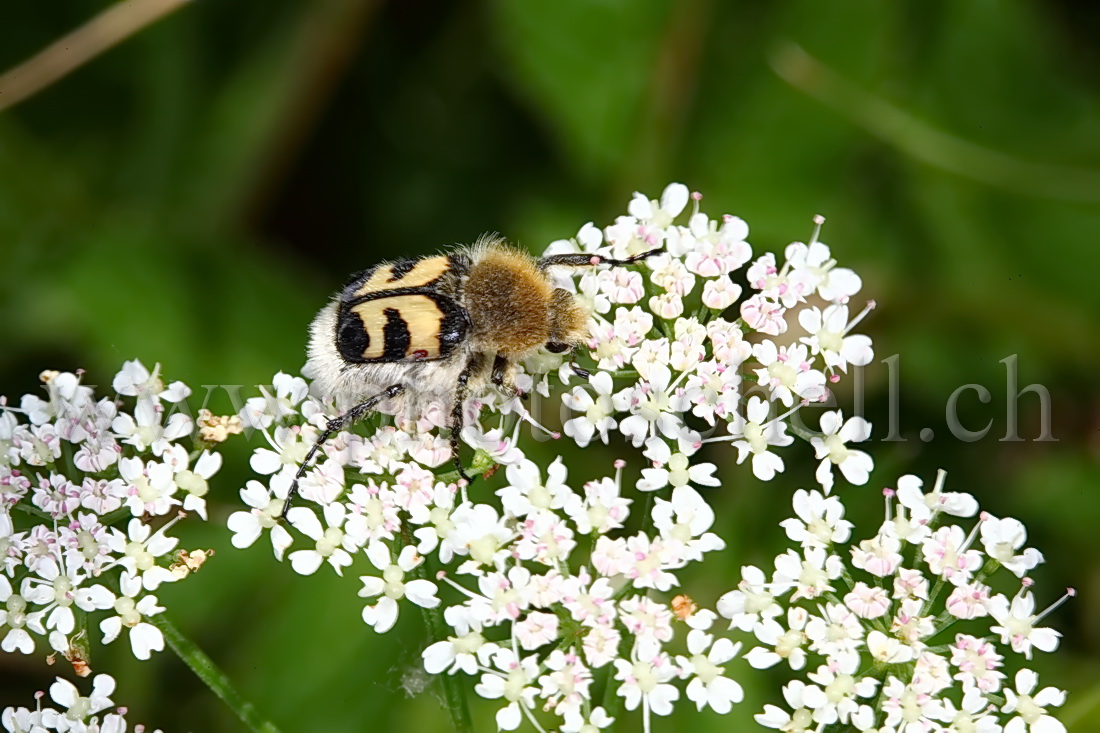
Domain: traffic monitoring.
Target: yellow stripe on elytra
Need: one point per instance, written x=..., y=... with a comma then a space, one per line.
x=422, y=318
x=425, y=271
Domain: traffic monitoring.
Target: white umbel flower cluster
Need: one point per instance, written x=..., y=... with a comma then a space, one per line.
x=73, y=712
x=90, y=490
x=901, y=631
x=559, y=594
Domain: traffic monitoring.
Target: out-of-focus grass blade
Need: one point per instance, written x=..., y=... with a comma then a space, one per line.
x=924, y=142
x=110, y=27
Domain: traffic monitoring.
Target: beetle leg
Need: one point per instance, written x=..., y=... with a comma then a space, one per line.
x=581, y=259
x=462, y=391
x=335, y=425
x=504, y=377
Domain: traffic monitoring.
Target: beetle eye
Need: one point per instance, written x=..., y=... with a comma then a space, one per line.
x=556, y=348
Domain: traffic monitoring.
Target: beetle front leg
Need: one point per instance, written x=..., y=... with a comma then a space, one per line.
x=581, y=259
x=462, y=391
x=335, y=425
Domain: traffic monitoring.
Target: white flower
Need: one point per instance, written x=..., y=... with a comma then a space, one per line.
x=799, y=719
x=924, y=506
x=675, y=469
x=685, y=520
x=1002, y=537
x=134, y=380
x=750, y=602
x=978, y=663
x=514, y=682
x=810, y=576
x=566, y=685
x=974, y=714
x=589, y=239
x=866, y=601
x=620, y=285
x=289, y=447
x=758, y=433
x=266, y=509
x=480, y=533
x=261, y=412
x=138, y=550
x=1016, y=624
x=77, y=707
x=646, y=618
x=500, y=447
x=835, y=284
x=1031, y=714
x=503, y=596
x=466, y=652
x=324, y=483
x=601, y=645
x=721, y=293
x=144, y=431
x=788, y=372
x=709, y=686
x=150, y=487
x=829, y=337
x=781, y=643
x=601, y=510
x=906, y=706
x=526, y=493
x=969, y=601
x=653, y=405
x=880, y=555
x=717, y=250
x=144, y=637
x=673, y=200
x=670, y=275
x=728, y=342
x=392, y=586
x=14, y=617
x=832, y=449
x=819, y=522
x=910, y=625
x=597, y=407
x=836, y=634
x=712, y=389
x=645, y=681
x=834, y=696
x=576, y=723
x=764, y=315
x=535, y=630
x=947, y=555
x=648, y=562
x=887, y=649
x=332, y=544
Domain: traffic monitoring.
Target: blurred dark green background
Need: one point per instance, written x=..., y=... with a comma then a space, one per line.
x=193, y=196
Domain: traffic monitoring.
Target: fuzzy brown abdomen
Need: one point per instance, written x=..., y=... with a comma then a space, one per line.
x=508, y=301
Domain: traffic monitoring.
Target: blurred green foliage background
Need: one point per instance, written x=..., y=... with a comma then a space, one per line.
x=194, y=195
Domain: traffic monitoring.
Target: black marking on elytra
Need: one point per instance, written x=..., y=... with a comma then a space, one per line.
x=352, y=339
x=396, y=333
x=401, y=268
x=453, y=327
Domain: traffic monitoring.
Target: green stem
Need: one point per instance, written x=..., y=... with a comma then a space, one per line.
x=611, y=703
x=205, y=669
x=453, y=695
x=33, y=511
